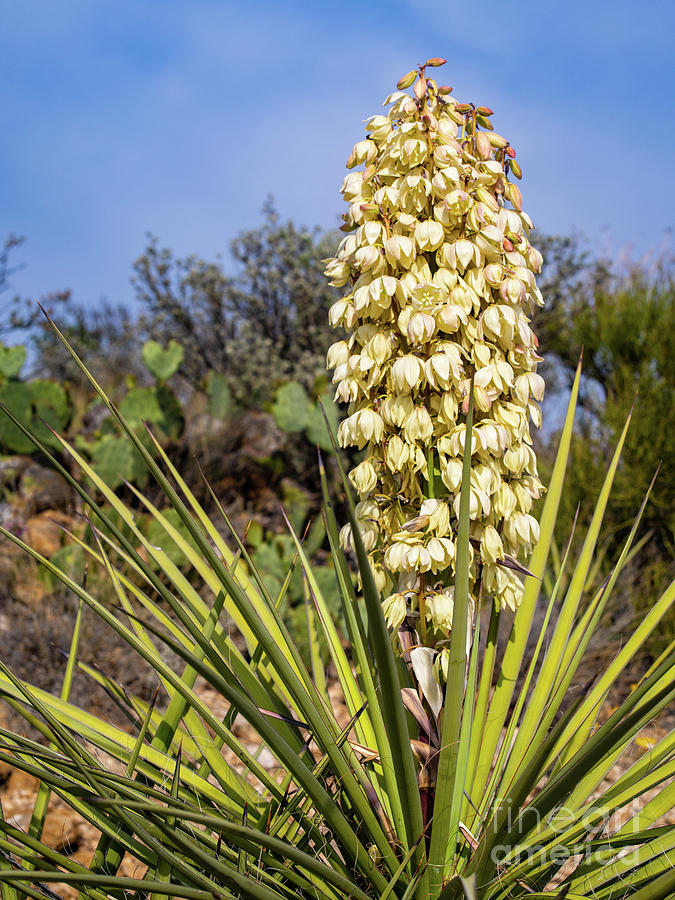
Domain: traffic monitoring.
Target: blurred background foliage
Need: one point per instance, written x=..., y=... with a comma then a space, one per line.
x=624, y=322
x=225, y=362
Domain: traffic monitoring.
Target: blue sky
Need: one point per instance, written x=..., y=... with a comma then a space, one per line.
x=179, y=116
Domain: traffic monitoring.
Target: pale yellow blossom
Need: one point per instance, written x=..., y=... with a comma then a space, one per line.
x=439, y=281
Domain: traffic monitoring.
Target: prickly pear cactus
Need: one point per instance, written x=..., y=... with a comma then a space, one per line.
x=16, y=396
x=12, y=360
x=52, y=410
x=115, y=460
x=291, y=407
x=317, y=432
x=163, y=362
x=294, y=412
x=219, y=395
x=158, y=406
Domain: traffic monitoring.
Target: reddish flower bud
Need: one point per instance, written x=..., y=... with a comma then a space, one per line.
x=483, y=145
x=420, y=88
x=444, y=89
x=435, y=61
x=485, y=111
x=511, y=152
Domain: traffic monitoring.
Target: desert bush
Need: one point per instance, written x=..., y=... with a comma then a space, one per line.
x=262, y=326
x=625, y=324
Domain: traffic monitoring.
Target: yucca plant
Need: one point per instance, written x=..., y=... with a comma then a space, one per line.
x=453, y=773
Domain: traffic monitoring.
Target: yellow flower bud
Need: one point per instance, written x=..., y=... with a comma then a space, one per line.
x=491, y=546
x=450, y=317
x=448, y=409
x=421, y=328
x=366, y=257
x=429, y=235
x=417, y=559
x=394, y=609
x=512, y=193
x=440, y=605
x=504, y=501
x=497, y=140
x=380, y=127
x=352, y=186
x=439, y=516
x=341, y=313
x=442, y=553
x=483, y=145
x=338, y=354
x=363, y=152
x=395, y=410
x=364, y=477
x=397, y=454
x=360, y=428
x=458, y=201
x=400, y=250
x=512, y=290
x=418, y=426
x=338, y=272
x=406, y=373
x=493, y=274
x=465, y=252
x=379, y=347
x=452, y=475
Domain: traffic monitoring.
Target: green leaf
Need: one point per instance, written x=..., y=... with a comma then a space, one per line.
x=141, y=405
x=395, y=721
x=451, y=776
x=173, y=420
x=513, y=657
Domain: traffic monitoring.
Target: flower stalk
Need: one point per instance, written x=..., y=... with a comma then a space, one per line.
x=439, y=274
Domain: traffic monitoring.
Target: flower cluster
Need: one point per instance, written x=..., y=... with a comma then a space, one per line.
x=440, y=277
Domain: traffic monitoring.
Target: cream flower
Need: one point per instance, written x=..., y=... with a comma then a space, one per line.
x=439, y=277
